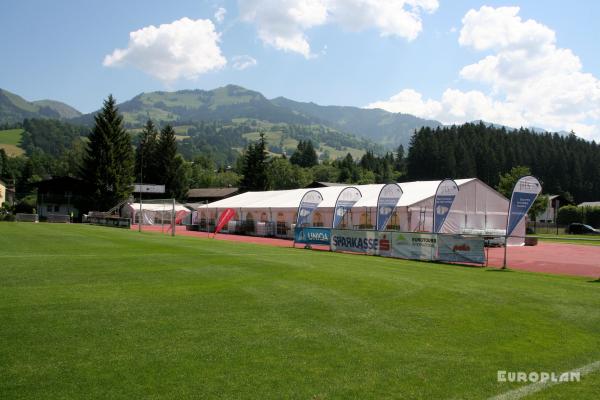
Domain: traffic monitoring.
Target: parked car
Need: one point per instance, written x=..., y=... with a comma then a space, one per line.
x=582, y=229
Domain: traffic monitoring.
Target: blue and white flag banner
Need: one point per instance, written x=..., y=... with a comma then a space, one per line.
x=386, y=202
x=312, y=235
x=345, y=201
x=524, y=194
x=309, y=203
x=442, y=202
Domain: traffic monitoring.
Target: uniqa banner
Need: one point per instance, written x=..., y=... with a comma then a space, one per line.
x=442, y=202
x=309, y=203
x=386, y=202
x=312, y=235
x=366, y=242
x=524, y=194
x=414, y=246
x=345, y=201
x=460, y=248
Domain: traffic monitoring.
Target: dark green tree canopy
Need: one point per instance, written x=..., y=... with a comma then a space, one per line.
x=305, y=155
x=254, y=166
x=109, y=160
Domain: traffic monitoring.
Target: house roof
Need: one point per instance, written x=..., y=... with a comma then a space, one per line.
x=319, y=184
x=211, y=192
x=61, y=183
x=413, y=193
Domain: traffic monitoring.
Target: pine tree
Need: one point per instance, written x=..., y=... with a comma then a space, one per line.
x=170, y=167
x=254, y=167
x=146, y=154
x=109, y=160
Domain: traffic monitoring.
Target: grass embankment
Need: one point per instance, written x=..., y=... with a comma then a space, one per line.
x=9, y=141
x=91, y=312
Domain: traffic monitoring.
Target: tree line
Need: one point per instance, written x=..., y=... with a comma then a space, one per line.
x=564, y=164
x=110, y=160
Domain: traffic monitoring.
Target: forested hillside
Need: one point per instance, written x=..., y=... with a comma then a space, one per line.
x=562, y=163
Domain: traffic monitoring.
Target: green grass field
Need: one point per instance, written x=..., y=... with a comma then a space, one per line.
x=91, y=312
x=571, y=239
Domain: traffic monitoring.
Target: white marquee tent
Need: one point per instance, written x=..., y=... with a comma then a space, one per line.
x=155, y=213
x=477, y=209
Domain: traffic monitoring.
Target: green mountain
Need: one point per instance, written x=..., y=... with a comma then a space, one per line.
x=64, y=110
x=14, y=108
x=233, y=102
x=377, y=125
x=188, y=106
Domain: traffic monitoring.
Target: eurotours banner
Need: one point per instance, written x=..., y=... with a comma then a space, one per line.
x=442, y=202
x=386, y=202
x=312, y=235
x=346, y=199
x=524, y=194
x=309, y=203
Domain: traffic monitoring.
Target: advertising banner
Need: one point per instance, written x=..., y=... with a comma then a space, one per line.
x=414, y=246
x=460, y=248
x=442, y=202
x=346, y=199
x=312, y=235
x=386, y=202
x=224, y=219
x=524, y=194
x=309, y=203
x=366, y=242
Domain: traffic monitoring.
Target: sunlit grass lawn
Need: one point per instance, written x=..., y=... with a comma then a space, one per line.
x=593, y=240
x=90, y=312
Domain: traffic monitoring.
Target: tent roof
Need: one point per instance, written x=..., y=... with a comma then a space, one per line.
x=157, y=207
x=414, y=192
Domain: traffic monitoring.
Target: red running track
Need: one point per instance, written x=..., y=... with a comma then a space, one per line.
x=551, y=258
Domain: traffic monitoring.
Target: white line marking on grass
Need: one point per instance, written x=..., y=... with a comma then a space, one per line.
x=539, y=386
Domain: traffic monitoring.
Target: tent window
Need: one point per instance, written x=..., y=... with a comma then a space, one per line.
x=264, y=217
x=394, y=223
x=318, y=219
x=365, y=220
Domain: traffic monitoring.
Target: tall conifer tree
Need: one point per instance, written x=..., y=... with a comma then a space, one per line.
x=109, y=160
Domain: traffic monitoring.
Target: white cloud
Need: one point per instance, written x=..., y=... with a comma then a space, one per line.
x=409, y=101
x=220, y=15
x=282, y=23
x=182, y=49
x=242, y=62
x=531, y=82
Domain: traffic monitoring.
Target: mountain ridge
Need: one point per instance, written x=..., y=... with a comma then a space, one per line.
x=14, y=108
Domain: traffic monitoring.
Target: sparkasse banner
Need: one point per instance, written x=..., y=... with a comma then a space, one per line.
x=366, y=242
x=386, y=203
x=524, y=194
x=309, y=203
x=346, y=199
x=442, y=202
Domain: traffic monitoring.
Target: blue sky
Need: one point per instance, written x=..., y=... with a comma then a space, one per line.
x=423, y=57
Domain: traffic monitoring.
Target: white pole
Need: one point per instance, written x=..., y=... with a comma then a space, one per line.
x=173, y=220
